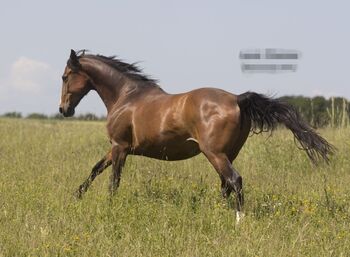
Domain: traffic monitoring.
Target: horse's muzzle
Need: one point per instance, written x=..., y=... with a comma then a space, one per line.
x=67, y=112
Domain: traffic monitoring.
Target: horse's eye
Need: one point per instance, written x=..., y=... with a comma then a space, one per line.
x=64, y=78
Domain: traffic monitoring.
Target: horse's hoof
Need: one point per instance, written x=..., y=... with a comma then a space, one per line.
x=239, y=217
x=78, y=194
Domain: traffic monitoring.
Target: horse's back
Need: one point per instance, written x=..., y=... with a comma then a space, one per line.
x=185, y=111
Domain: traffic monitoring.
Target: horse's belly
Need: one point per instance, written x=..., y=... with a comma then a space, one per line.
x=172, y=151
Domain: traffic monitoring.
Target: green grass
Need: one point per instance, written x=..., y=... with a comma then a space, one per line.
x=167, y=208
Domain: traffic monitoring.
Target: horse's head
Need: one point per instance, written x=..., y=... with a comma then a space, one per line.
x=76, y=84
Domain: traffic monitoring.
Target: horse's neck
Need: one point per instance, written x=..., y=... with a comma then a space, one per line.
x=112, y=85
x=108, y=85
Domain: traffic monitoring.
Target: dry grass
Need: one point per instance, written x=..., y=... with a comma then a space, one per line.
x=166, y=208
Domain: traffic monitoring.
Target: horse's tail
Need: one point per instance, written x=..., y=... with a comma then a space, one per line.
x=265, y=113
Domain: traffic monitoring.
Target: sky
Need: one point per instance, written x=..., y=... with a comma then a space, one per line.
x=183, y=44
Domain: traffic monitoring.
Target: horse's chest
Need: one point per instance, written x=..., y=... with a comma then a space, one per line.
x=119, y=127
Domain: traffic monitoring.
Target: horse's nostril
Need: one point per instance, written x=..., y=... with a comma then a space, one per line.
x=60, y=110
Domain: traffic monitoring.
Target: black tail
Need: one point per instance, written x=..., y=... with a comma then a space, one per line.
x=265, y=113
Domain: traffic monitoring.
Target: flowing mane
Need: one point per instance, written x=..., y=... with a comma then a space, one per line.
x=130, y=70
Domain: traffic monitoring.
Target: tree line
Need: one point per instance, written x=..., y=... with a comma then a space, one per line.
x=321, y=112
x=317, y=111
x=57, y=116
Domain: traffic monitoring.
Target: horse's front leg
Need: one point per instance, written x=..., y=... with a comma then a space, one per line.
x=119, y=154
x=99, y=167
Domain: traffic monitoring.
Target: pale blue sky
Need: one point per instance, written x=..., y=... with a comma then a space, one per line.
x=184, y=44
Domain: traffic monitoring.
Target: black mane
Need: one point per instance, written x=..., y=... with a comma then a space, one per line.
x=131, y=71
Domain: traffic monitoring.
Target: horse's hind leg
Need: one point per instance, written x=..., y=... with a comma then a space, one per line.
x=230, y=178
x=99, y=167
x=225, y=188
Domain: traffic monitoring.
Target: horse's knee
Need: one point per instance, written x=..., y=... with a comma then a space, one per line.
x=233, y=184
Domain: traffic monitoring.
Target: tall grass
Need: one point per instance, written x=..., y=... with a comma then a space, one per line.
x=167, y=208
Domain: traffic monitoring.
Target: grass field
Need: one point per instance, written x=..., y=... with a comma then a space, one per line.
x=167, y=208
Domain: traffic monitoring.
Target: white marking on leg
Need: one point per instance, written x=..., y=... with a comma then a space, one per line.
x=239, y=216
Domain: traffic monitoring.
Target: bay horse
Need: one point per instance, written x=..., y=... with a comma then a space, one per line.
x=145, y=120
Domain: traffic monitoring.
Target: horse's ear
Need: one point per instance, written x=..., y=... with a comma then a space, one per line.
x=73, y=59
x=73, y=54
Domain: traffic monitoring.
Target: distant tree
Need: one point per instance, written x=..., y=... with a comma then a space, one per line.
x=38, y=116
x=339, y=109
x=320, y=105
x=319, y=111
x=57, y=116
x=12, y=115
x=87, y=116
x=302, y=104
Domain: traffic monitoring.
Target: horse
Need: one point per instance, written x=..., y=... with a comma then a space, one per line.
x=145, y=120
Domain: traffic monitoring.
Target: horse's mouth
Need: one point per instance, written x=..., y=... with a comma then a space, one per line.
x=69, y=112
